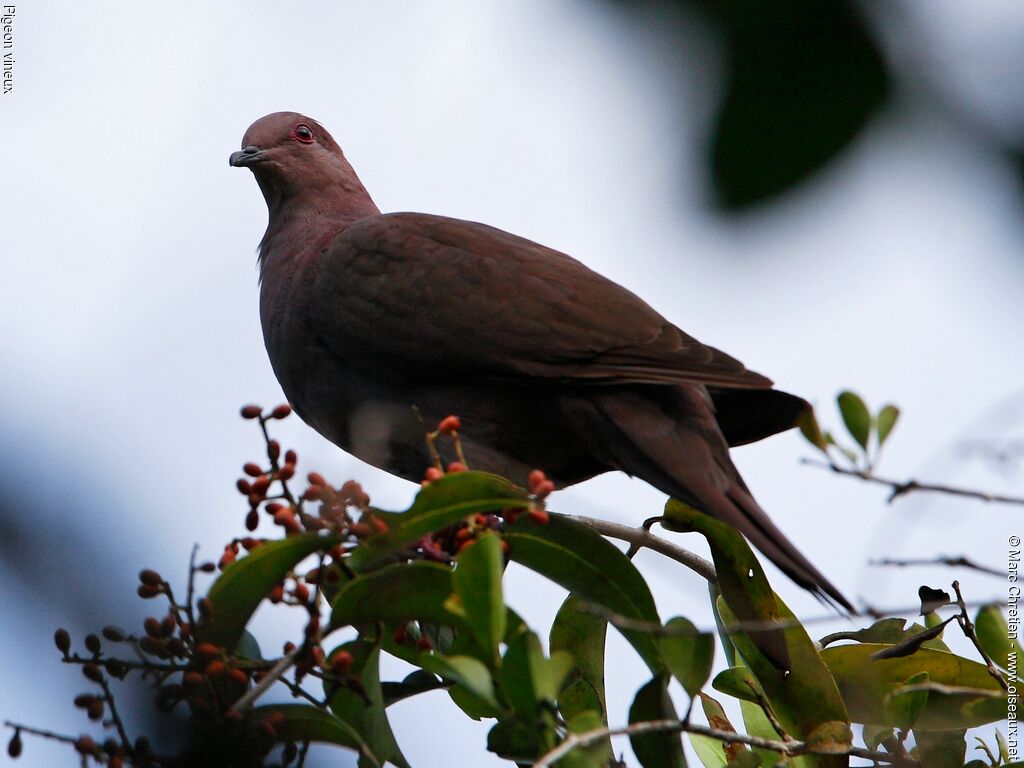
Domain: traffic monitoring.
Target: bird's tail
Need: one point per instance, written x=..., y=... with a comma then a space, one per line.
x=681, y=451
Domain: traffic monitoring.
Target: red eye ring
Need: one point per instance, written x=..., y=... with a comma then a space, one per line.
x=303, y=133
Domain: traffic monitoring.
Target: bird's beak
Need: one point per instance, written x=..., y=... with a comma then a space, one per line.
x=245, y=156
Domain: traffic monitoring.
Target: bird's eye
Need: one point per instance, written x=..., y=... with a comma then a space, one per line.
x=303, y=133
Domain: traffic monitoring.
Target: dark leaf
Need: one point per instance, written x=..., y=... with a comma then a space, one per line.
x=932, y=599
x=657, y=749
x=415, y=683
x=516, y=739
x=804, y=77
x=912, y=643
x=305, y=723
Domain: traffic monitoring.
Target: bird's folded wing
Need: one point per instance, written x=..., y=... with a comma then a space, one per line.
x=426, y=296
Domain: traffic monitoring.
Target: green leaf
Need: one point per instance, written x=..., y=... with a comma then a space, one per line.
x=477, y=581
x=865, y=684
x=885, y=421
x=941, y=749
x=811, y=431
x=902, y=706
x=833, y=738
x=363, y=708
x=994, y=635
x=741, y=579
x=528, y=678
x=442, y=503
x=717, y=719
x=238, y=591
x=582, y=561
x=739, y=683
x=757, y=723
x=688, y=654
x=807, y=696
x=657, y=749
x=469, y=673
x=396, y=594
x=709, y=751
x=304, y=723
x=598, y=754
x=856, y=417
x=582, y=635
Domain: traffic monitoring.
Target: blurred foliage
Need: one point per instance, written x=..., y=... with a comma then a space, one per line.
x=803, y=78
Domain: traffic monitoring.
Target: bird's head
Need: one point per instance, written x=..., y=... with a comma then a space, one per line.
x=290, y=153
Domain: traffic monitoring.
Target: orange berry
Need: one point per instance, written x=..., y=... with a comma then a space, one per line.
x=539, y=516
x=208, y=650
x=216, y=668
x=432, y=474
x=315, y=478
x=534, y=479
x=239, y=676
x=341, y=663
x=456, y=466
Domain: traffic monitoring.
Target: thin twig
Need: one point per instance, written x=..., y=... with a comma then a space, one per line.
x=765, y=625
x=641, y=538
x=114, y=715
x=789, y=748
x=40, y=732
x=277, y=671
x=968, y=627
x=899, y=488
x=953, y=562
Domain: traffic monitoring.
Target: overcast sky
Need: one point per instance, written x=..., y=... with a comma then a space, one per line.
x=130, y=298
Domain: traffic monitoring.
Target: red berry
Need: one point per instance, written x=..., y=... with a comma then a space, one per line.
x=14, y=745
x=150, y=577
x=85, y=745
x=145, y=591
x=301, y=593
x=276, y=594
x=252, y=469
x=243, y=486
x=251, y=411
x=152, y=626
x=539, y=516
x=92, y=672
x=341, y=663
x=432, y=474
x=287, y=472
x=544, y=489
x=456, y=466
x=252, y=520
x=535, y=478
x=216, y=668
x=239, y=676
x=192, y=679
x=424, y=643
x=282, y=411
x=449, y=425
x=95, y=709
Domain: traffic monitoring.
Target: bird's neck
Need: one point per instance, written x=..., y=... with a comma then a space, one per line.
x=302, y=221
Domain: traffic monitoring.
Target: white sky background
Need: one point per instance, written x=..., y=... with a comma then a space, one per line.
x=130, y=299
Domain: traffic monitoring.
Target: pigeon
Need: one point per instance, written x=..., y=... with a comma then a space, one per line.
x=378, y=326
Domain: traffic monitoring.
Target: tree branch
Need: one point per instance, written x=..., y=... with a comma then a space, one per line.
x=790, y=748
x=953, y=562
x=899, y=488
x=639, y=537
